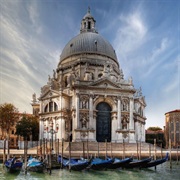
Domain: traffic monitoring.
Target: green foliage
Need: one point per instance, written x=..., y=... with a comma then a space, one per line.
x=8, y=116
x=28, y=126
x=154, y=128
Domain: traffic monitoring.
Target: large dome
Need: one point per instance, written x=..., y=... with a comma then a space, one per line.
x=88, y=42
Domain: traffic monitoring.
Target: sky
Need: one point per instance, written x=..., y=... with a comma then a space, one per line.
x=144, y=33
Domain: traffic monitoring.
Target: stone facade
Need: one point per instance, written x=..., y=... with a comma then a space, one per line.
x=87, y=97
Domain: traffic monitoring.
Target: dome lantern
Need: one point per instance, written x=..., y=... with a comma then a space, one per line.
x=88, y=23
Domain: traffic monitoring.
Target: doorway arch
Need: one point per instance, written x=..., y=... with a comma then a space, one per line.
x=103, y=122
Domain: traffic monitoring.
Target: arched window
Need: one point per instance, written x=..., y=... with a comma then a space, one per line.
x=46, y=108
x=50, y=107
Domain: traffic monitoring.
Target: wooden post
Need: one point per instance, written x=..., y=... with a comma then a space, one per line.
x=83, y=150
x=46, y=146
x=70, y=156
x=37, y=146
x=87, y=149
x=140, y=149
x=177, y=156
x=137, y=149
x=123, y=149
x=62, y=153
x=43, y=148
x=111, y=150
x=149, y=150
x=50, y=157
x=98, y=149
x=25, y=155
x=8, y=150
x=154, y=149
x=4, y=150
x=170, y=154
x=106, y=148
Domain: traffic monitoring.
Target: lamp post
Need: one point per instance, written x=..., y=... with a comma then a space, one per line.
x=52, y=131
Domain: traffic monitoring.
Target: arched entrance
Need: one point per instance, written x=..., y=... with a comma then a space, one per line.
x=103, y=122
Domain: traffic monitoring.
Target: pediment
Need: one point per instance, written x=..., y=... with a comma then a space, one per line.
x=104, y=83
x=50, y=93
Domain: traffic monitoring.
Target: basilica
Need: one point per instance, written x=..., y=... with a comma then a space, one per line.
x=87, y=97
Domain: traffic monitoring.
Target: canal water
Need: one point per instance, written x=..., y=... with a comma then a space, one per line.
x=162, y=172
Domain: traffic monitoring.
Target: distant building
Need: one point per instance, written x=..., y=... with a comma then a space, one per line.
x=157, y=135
x=172, y=128
x=88, y=97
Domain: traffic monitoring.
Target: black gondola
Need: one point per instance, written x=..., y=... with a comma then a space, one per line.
x=137, y=164
x=74, y=164
x=13, y=165
x=118, y=163
x=100, y=164
x=155, y=162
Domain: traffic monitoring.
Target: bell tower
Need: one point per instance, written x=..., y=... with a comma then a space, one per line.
x=88, y=23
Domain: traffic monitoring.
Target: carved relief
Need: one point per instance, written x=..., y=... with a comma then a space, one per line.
x=84, y=118
x=125, y=105
x=84, y=102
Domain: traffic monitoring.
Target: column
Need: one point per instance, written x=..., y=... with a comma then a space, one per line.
x=131, y=105
x=90, y=111
x=77, y=111
x=41, y=129
x=119, y=113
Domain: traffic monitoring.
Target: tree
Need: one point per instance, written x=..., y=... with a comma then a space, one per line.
x=154, y=128
x=28, y=126
x=9, y=115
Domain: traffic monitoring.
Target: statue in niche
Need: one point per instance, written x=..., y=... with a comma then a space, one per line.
x=83, y=123
x=124, y=123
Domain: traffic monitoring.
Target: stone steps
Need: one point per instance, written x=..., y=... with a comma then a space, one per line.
x=93, y=146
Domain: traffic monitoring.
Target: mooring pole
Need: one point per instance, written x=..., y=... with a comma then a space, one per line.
x=137, y=149
x=123, y=149
x=98, y=149
x=70, y=156
x=4, y=150
x=43, y=148
x=83, y=150
x=62, y=153
x=106, y=148
x=149, y=150
x=25, y=156
x=177, y=156
x=111, y=149
x=154, y=149
x=170, y=154
x=87, y=149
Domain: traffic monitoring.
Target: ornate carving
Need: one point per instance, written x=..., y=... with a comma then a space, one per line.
x=84, y=119
x=125, y=121
x=84, y=101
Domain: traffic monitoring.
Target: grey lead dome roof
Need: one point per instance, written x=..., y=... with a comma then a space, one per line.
x=88, y=42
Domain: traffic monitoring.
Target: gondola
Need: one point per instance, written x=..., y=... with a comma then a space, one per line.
x=13, y=165
x=74, y=164
x=35, y=165
x=155, y=162
x=118, y=163
x=137, y=163
x=100, y=164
